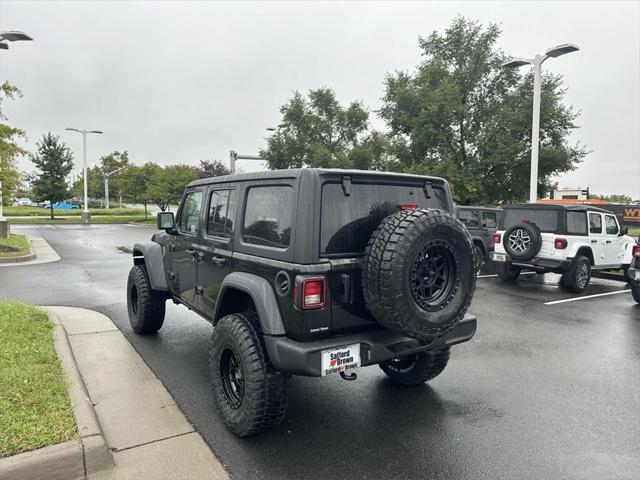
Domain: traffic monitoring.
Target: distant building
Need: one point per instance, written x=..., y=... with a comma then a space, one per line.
x=570, y=194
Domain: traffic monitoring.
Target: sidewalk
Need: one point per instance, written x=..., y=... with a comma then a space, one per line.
x=145, y=430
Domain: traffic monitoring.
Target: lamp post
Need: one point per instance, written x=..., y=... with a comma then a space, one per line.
x=537, y=62
x=86, y=215
x=13, y=36
x=106, y=186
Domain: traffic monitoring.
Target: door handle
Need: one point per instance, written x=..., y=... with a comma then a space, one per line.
x=594, y=241
x=608, y=241
x=218, y=260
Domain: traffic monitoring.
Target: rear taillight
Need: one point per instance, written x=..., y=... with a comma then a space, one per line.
x=636, y=250
x=409, y=206
x=560, y=243
x=497, y=238
x=313, y=293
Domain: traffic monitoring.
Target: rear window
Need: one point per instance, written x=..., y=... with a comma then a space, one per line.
x=546, y=220
x=577, y=223
x=348, y=221
x=469, y=218
x=268, y=215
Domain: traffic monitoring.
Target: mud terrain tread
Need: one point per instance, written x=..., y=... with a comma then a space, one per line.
x=387, y=250
x=265, y=400
x=151, y=303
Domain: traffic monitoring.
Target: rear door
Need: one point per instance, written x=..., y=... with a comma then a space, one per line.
x=489, y=225
x=216, y=249
x=597, y=239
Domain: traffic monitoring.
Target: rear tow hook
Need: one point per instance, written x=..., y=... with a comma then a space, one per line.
x=349, y=376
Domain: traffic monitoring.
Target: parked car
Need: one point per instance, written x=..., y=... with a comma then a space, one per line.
x=481, y=223
x=571, y=240
x=310, y=272
x=24, y=202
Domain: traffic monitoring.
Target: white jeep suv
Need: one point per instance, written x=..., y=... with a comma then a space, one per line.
x=567, y=239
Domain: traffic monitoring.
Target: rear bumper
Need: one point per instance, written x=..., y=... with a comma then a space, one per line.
x=304, y=358
x=536, y=264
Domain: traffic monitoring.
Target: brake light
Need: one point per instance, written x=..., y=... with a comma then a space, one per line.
x=497, y=238
x=560, y=243
x=409, y=206
x=313, y=293
x=636, y=250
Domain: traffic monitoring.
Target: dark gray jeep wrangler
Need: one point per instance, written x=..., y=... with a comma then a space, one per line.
x=310, y=272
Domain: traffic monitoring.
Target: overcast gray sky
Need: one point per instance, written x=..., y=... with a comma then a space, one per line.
x=182, y=81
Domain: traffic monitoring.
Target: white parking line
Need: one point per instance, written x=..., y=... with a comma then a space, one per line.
x=575, y=299
x=489, y=276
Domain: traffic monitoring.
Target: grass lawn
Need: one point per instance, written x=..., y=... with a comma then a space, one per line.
x=15, y=246
x=35, y=410
x=94, y=219
x=36, y=211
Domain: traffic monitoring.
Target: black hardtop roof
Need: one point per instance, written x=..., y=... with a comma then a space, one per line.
x=298, y=172
x=472, y=207
x=557, y=206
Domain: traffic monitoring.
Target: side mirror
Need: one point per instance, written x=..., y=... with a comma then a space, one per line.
x=166, y=221
x=624, y=230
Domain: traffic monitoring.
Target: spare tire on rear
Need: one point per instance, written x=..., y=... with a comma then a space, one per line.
x=522, y=241
x=419, y=275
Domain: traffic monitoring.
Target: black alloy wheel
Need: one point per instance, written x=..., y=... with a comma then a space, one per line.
x=433, y=275
x=232, y=375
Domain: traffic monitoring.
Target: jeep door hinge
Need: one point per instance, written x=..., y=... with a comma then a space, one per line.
x=428, y=191
x=346, y=185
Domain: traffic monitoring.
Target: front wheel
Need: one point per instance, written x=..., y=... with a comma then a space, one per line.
x=577, y=278
x=417, y=368
x=479, y=257
x=146, y=307
x=507, y=272
x=250, y=395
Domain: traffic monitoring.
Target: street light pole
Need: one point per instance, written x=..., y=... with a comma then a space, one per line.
x=106, y=185
x=537, y=62
x=86, y=215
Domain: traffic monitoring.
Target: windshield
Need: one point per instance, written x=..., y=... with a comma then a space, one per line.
x=349, y=221
x=546, y=220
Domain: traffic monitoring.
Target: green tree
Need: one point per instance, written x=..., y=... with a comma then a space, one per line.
x=212, y=168
x=167, y=184
x=612, y=198
x=462, y=116
x=9, y=149
x=135, y=183
x=317, y=131
x=95, y=177
x=54, y=162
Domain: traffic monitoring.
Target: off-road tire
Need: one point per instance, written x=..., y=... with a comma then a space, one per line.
x=263, y=402
x=507, y=272
x=396, y=256
x=534, y=241
x=479, y=256
x=417, y=368
x=635, y=291
x=146, y=307
x=573, y=280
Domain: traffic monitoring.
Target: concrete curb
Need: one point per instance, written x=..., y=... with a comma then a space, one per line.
x=21, y=258
x=42, y=253
x=76, y=458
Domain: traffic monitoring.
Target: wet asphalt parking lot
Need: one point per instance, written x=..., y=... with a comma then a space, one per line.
x=544, y=390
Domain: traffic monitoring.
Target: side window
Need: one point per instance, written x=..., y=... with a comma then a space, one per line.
x=489, y=219
x=190, y=213
x=611, y=225
x=267, y=217
x=577, y=223
x=595, y=223
x=469, y=218
x=222, y=208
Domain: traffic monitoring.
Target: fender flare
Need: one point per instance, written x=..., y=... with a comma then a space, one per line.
x=151, y=255
x=263, y=296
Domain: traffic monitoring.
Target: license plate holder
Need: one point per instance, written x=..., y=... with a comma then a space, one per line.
x=340, y=359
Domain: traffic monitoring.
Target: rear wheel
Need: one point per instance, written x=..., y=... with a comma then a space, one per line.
x=146, y=307
x=578, y=277
x=635, y=291
x=507, y=272
x=479, y=257
x=250, y=395
x=417, y=368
